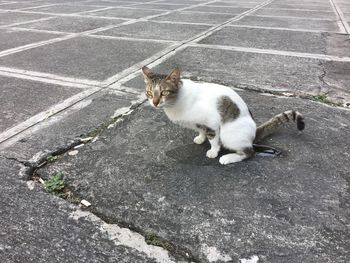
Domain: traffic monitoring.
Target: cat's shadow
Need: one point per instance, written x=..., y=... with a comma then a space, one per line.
x=193, y=154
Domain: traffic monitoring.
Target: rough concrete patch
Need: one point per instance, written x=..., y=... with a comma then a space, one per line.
x=36, y=227
x=125, y=237
x=63, y=130
x=153, y=178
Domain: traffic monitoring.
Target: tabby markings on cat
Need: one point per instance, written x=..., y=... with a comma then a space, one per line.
x=215, y=111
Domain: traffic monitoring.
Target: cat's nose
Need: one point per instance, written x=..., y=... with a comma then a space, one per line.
x=156, y=101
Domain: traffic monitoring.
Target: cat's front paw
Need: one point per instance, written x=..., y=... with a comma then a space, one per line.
x=212, y=153
x=199, y=139
x=230, y=158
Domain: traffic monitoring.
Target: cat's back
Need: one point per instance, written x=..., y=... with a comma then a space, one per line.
x=212, y=91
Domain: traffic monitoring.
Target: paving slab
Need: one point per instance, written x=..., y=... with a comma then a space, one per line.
x=194, y=17
x=300, y=2
x=63, y=9
x=234, y=4
x=8, y=18
x=72, y=24
x=188, y=2
x=292, y=208
x=20, y=99
x=13, y=6
x=308, y=42
x=108, y=3
x=319, y=7
x=347, y=16
x=219, y=9
x=73, y=57
x=125, y=13
x=166, y=7
x=14, y=38
x=66, y=128
x=289, y=22
x=296, y=13
x=38, y=227
x=67, y=1
x=260, y=71
x=154, y=30
x=344, y=8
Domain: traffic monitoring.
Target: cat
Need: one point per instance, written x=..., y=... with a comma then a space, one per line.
x=215, y=111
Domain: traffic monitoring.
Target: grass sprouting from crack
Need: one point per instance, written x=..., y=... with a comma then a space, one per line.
x=102, y=127
x=152, y=239
x=54, y=184
x=323, y=98
x=51, y=158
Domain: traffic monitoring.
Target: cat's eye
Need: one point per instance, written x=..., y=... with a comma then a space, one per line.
x=165, y=92
x=149, y=94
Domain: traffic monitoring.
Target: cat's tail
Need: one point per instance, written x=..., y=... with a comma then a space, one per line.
x=274, y=123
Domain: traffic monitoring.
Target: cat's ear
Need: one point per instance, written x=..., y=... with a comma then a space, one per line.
x=174, y=76
x=146, y=74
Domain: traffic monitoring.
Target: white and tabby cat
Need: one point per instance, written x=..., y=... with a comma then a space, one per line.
x=215, y=111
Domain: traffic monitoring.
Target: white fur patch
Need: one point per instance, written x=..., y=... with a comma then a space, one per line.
x=213, y=254
x=253, y=259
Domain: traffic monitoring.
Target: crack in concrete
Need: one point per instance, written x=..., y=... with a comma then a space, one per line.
x=125, y=236
x=150, y=239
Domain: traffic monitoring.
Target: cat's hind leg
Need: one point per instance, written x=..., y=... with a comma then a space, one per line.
x=238, y=156
x=238, y=136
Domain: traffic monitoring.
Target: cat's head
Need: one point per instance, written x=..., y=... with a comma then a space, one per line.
x=162, y=90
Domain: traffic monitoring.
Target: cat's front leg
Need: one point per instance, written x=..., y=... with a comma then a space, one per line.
x=215, y=146
x=200, y=138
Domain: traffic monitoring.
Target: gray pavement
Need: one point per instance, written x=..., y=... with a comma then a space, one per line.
x=70, y=70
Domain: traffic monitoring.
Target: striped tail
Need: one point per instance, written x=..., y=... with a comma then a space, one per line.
x=274, y=123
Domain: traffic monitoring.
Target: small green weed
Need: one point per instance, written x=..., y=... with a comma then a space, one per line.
x=54, y=184
x=152, y=239
x=320, y=98
x=51, y=158
x=324, y=99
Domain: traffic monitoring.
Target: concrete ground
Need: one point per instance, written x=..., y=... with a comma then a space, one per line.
x=72, y=105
